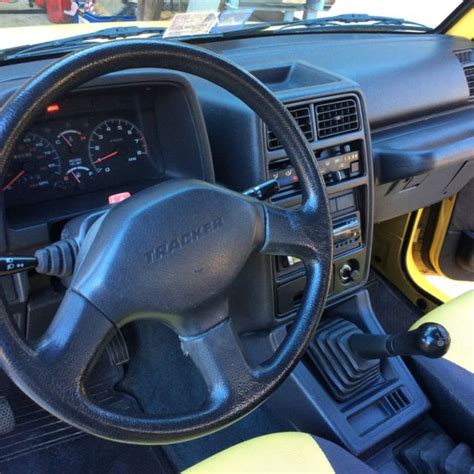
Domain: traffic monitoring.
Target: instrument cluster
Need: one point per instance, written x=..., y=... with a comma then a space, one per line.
x=82, y=144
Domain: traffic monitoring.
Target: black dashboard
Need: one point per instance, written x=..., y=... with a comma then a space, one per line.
x=390, y=119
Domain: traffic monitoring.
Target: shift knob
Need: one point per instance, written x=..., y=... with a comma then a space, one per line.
x=430, y=340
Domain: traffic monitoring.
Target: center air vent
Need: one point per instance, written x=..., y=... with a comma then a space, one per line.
x=469, y=72
x=336, y=117
x=303, y=118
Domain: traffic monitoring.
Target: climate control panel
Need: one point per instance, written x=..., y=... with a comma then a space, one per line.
x=336, y=164
x=340, y=168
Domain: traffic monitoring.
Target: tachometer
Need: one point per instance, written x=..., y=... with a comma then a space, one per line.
x=35, y=165
x=116, y=143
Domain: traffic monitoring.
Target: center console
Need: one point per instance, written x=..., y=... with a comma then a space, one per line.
x=335, y=129
x=357, y=402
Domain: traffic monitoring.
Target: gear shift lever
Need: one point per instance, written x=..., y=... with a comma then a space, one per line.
x=430, y=340
x=349, y=360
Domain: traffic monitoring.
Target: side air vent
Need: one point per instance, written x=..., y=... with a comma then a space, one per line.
x=469, y=72
x=465, y=56
x=303, y=118
x=336, y=117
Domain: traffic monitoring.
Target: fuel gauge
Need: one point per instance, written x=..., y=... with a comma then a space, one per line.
x=78, y=177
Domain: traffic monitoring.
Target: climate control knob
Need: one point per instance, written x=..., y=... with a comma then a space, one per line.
x=348, y=273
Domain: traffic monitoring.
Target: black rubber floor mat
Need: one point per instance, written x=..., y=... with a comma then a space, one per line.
x=36, y=429
x=393, y=310
x=90, y=455
x=42, y=444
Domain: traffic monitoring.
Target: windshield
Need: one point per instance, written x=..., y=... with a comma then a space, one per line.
x=26, y=22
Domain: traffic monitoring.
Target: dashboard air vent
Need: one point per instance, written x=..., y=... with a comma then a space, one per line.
x=336, y=117
x=303, y=118
x=469, y=72
x=465, y=56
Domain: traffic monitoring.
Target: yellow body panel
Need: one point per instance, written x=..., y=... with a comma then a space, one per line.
x=445, y=213
x=465, y=26
x=293, y=453
x=418, y=277
x=457, y=317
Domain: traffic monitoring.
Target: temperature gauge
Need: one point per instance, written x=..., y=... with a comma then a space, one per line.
x=71, y=143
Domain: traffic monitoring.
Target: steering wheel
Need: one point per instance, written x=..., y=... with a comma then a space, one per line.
x=170, y=252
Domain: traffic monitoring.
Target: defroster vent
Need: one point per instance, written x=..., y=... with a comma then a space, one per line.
x=303, y=118
x=336, y=117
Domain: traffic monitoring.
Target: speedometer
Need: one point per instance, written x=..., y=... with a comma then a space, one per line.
x=116, y=144
x=35, y=165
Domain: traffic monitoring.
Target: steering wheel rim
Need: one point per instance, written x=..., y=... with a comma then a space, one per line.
x=63, y=358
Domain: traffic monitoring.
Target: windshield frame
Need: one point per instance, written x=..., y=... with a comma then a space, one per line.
x=464, y=7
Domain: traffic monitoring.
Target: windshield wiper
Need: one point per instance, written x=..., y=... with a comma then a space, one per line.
x=332, y=22
x=358, y=18
x=72, y=42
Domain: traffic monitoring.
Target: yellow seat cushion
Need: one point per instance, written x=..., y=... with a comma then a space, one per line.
x=457, y=316
x=279, y=452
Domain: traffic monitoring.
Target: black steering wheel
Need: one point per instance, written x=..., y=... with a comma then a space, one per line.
x=169, y=252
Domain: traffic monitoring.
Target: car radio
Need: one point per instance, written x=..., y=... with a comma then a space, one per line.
x=347, y=233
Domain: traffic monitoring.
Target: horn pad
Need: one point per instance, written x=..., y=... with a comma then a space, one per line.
x=168, y=251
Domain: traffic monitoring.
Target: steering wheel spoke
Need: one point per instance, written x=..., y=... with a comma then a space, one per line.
x=293, y=232
x=73, y=341
x=219, y=357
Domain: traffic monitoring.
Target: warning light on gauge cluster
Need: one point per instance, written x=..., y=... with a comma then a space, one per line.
x=52, y=108
x=116, y=198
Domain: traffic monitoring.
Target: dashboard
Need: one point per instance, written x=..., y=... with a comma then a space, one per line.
x=388, y=135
